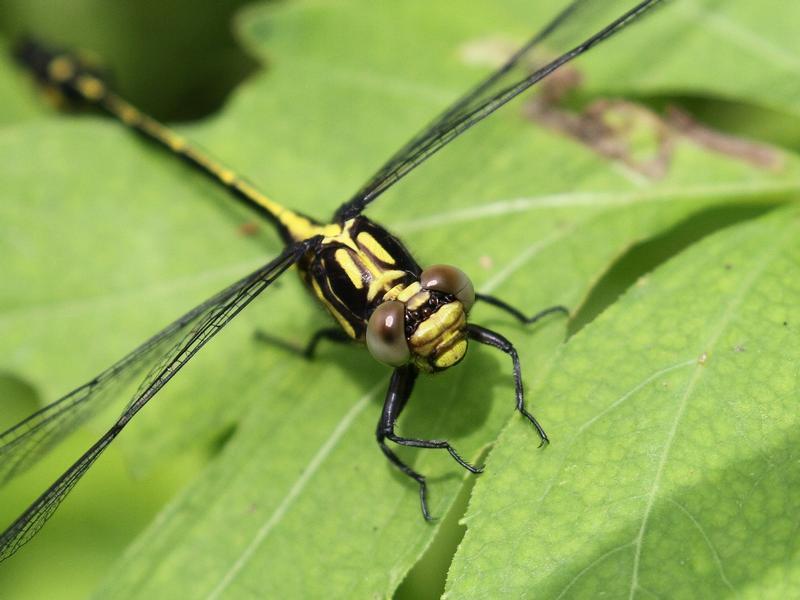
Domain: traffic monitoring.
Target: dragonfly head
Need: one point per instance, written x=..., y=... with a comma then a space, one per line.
x=429, y=328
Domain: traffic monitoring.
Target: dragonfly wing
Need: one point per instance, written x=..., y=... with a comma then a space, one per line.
x=23, y=444
x=576, y=29
x=172, y=348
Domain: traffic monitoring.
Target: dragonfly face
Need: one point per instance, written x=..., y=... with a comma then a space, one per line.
x=439, y=340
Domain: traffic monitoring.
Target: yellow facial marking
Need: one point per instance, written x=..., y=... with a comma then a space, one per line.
x=449, y=317
x=406, y=294
x=347, y=263
x=91, y=88
x=440, y=340
x=452, y=355
x=378, y=251
x=61, y=69
x=418, y=300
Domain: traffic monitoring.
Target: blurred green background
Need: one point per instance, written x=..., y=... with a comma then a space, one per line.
x=175, y=58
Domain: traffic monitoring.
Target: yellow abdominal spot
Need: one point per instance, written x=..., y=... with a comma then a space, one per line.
x=227, y=176
x=91, y=87
x=61, y=69
x=129, y=115
x=300, y=228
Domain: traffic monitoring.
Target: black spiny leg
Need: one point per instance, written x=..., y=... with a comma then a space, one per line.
x=491, y=338
x=397, y=395
x=400, y=387
x=333, y=334
x=519, y=315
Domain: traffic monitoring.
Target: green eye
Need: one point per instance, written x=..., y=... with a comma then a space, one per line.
x=447, y=279
x=386, y=336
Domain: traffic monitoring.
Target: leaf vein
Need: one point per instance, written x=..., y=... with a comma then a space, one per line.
x=710, y=545
x=590, y=566
x=299, y=485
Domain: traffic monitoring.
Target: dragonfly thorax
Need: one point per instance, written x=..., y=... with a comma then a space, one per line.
x=367, y=279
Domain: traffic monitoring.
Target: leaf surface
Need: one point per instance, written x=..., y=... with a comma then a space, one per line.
x=676, y=476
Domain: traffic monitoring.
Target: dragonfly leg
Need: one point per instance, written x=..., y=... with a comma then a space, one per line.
x=396, y=397
x=518, y=314
x=333, y=334
x=491, y=338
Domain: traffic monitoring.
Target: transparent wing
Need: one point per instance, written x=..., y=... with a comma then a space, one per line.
x=171, y=348
x=580, y=26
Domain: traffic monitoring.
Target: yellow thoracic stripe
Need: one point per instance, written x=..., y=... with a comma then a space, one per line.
x=370, y=243
x=350, y=267
x=382, y=282
x=348, y=328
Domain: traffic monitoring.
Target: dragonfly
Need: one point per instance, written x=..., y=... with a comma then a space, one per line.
x=413, y=319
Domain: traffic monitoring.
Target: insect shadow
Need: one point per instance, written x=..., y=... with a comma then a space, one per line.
x=451, y=405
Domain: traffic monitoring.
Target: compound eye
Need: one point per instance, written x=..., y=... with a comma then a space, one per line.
x=447, y=279
x=386, y=335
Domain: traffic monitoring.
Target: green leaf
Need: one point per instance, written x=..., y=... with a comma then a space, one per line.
x=673, y=469
x=734, y=50
x=113, y=239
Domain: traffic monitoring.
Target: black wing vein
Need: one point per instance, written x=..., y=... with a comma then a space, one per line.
x=500, y=87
